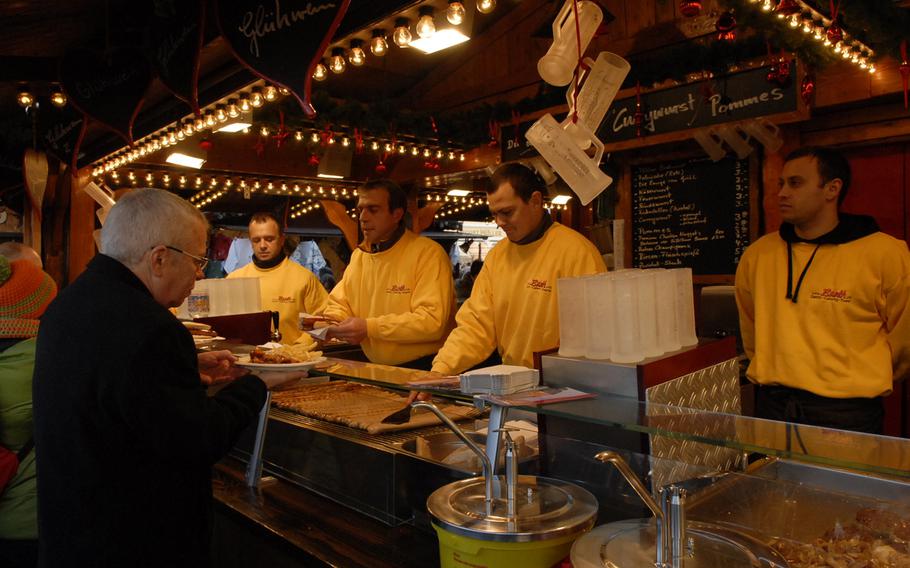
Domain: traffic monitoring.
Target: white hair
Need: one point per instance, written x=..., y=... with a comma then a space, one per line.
x=145, y=218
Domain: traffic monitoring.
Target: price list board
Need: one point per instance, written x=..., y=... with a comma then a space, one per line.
x=691, y=213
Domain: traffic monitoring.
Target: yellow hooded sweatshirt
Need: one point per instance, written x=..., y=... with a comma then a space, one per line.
x=406, y=295
x=831, y=315
x=287, y=289
x=513, y=305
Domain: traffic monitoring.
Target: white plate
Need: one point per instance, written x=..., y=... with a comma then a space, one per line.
x=244, y=361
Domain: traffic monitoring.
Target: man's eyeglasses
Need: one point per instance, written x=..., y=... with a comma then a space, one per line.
x=200, y=261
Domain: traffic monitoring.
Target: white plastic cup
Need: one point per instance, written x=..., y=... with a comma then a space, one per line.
x=197, y=305
x=667, y=326
x=557, y=67
x=626, y=339
x=647, y=313
x=251, y=300
x=598, y=88
x=599, y=298
x=685, y=306
x=765, y=132
x=733, y=136
x=572, y=316
x=710, y=144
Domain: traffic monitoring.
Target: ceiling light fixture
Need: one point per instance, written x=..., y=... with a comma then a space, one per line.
x=442, y=39
x=185, y=160
x=337, y=63
x=560, y=199
x=455, y=12
x=256, y=98
x=378, y=45
x=270, y=93
x=486, y=6
x=458, y=192
x=357, y=57
x=425, y=27
x=402, y=34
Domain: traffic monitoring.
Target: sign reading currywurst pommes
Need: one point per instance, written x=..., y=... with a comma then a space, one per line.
x=690, y=213
x=281, y=40
x=735, y=97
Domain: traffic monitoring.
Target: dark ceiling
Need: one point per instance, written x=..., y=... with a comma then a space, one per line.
x=35, y=34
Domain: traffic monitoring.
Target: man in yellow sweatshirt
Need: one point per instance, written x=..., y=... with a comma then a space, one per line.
x=396, y=297
x=513, y=304
x=823, y=304
x=285, y=286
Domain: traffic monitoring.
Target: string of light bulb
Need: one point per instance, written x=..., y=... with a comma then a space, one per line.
x=338, y=57
x=799, y=15
x=26, y=98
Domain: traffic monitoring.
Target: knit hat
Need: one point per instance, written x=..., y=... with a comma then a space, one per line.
x=25, y=292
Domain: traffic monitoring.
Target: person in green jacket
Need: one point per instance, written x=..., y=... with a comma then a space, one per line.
x=25, y=292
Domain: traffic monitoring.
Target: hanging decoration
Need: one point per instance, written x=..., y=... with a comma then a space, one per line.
x=282, y=133
x=689, y=9
x=264, y=41
x=726, y=27
x=787, y=8
x=807, y=87
x=493, y=130
x=834, y=33
x=639, y=114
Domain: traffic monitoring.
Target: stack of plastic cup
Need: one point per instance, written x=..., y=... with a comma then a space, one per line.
x=626, y=340
x=599, y=295
x=573, y=312
x=685, y=306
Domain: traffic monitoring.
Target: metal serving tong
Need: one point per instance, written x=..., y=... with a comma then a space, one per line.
x=399, y=416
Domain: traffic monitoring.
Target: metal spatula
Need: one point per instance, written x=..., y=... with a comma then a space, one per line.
x=398, y=417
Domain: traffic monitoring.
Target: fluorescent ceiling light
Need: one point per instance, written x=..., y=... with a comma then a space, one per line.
x=184, y=160
x=459, y=192
x=234, y=127
x=560, y=199
x=330, y=176
x=442, y=39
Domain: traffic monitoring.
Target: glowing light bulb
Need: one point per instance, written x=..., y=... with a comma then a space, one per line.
x=25, y=99
x=402, y=34
x=425, y=27
x=337, y=63
x=233, y=110
x=244, y=104
x=320, y=72
x=357, y=57
x=270, y=93
x=378, y=45
x=58, y=99
x=256, y=98
x=455, y=12
x=486, y=6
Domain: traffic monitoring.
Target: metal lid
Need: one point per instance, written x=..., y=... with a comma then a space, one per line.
x=545, y=509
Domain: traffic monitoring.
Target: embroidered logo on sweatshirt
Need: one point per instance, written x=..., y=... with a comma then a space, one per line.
x=541, y=285
x=831, y=295
x=284, y=300
x=398, y=289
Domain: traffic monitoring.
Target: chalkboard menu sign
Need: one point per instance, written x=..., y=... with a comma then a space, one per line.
x=690, y=213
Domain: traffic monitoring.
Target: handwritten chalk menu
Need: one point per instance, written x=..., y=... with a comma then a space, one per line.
x=692, y=213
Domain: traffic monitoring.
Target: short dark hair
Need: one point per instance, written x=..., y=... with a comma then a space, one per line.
x=523, y=180
x=265, y=217
x=398, y=199
x=831, y=165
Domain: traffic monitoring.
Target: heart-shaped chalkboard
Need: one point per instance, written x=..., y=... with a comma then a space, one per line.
x=281, y=41
x=107, y=86
x=62, y=132
x=176, y=33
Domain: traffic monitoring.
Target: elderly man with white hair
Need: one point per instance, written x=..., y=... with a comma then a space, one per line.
x=125, y=431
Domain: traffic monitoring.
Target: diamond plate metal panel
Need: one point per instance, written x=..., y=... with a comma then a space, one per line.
x=715, y=389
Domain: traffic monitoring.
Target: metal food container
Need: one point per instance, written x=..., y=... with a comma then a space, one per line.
x=536, y=531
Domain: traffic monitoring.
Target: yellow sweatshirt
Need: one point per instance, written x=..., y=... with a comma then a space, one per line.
x=405, y=294
x=513, y=305
x=848, y=334
x=287, y=289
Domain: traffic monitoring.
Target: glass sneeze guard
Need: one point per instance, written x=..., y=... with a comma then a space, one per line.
x=881, y=455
